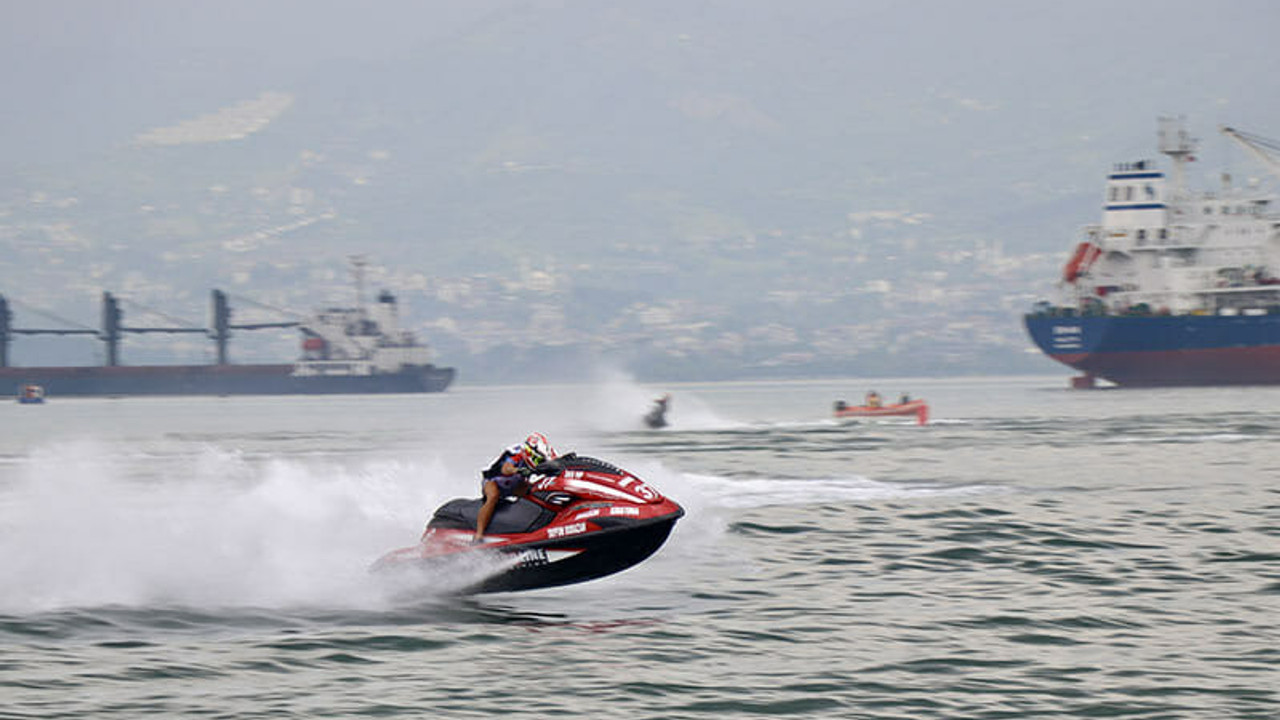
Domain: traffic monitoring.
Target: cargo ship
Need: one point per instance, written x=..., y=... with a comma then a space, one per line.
x=345, y=350
x=1174, y=287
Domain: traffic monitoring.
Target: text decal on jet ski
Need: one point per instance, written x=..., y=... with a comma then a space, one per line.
x=532, y=558
x=586, y=483
x=634, y=485
x=563, y=530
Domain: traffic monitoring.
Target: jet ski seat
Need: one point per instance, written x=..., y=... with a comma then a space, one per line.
x=511, y=516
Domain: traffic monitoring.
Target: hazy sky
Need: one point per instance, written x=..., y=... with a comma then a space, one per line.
x=117, y=62
x=950, y=105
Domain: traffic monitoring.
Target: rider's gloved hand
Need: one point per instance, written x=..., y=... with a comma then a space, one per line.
x=547, y=469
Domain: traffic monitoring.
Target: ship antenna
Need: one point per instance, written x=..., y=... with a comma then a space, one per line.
x=358, y=263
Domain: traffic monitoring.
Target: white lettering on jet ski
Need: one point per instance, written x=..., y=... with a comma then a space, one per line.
x=634, y=485
x=637, y=490
x=564, y=530
x=532, y=558
x=624, y=510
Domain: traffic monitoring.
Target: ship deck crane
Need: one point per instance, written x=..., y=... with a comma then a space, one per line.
x=1265, y=149
x=113, y=327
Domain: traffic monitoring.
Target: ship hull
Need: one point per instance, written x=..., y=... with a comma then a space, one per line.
x=1164, y=351
x=123, y=381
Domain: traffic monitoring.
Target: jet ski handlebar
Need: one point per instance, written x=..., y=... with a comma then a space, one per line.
x=550, y=468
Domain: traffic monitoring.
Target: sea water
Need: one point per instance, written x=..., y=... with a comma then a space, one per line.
x=1031, y=552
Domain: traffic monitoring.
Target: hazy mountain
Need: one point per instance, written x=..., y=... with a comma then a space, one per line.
x=689, y=188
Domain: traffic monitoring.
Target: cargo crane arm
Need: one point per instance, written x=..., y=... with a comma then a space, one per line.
x=266, y=325
x=75, y=329
x=183, y=325
x=1265, y=149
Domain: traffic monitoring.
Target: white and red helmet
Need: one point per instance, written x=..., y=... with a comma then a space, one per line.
x=537, y=450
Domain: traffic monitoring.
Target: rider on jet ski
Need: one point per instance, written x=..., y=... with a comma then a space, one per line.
x=509, y=476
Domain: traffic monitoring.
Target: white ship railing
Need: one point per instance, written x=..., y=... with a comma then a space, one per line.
x=332, y=367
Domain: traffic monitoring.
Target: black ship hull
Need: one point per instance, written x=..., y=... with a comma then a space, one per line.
x=121, y=381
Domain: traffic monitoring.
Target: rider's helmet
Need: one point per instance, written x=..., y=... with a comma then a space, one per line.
x=537, y=449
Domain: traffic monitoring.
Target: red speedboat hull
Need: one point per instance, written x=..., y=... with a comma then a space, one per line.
x=916, y=408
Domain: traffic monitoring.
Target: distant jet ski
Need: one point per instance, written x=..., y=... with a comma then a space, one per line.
x=584, y=519
x=657, y=415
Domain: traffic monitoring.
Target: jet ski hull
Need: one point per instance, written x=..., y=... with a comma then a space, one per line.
x=538, y=564
x=549, y=539
x=565, y=562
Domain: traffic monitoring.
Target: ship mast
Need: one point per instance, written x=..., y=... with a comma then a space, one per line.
x=358, y=264
x=6, y=320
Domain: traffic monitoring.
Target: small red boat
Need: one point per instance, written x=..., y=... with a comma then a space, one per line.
x=918, y=408
x=31, y=395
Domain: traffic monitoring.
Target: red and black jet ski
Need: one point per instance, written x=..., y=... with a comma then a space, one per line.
x=582, y=519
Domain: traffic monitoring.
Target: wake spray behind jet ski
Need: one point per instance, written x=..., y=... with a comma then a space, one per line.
x=583, y=519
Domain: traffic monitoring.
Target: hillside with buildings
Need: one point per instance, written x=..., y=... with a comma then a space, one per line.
x=553, y=187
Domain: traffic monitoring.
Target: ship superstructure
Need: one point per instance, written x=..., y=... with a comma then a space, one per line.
x=1173, y=286
x=358, y=341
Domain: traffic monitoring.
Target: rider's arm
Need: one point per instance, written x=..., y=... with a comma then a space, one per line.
x=504, y=465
